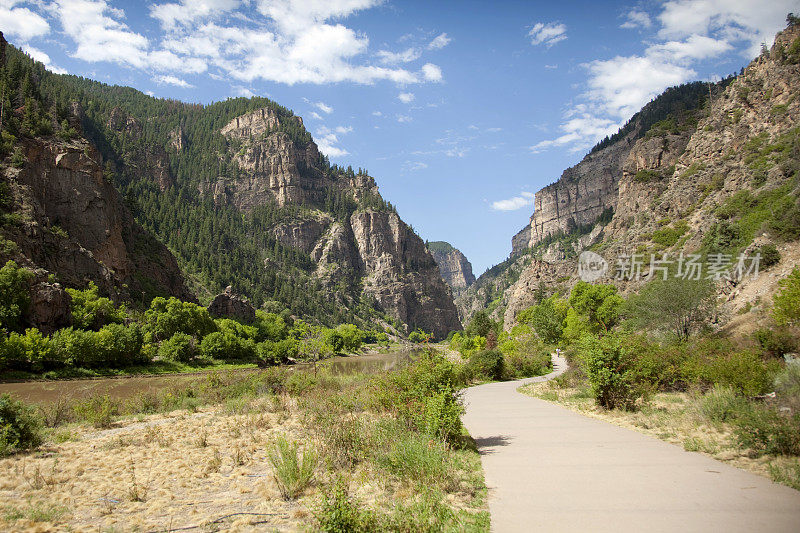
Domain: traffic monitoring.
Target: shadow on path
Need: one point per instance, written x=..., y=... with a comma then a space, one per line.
x=485, y=444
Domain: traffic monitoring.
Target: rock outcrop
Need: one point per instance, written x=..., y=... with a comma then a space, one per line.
x=50, y=305
x=666, y=184
x=372, y=252
x=453, y=265
x=73, y=223
x=230, y=305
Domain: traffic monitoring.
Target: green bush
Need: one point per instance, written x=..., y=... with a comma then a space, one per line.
x=293, y=471
x=180, y=347
x=442, y=417
x=765, y=430
x=405, y=393
x=786, y=302
x=14, y=295
x=769, y=255
x=169, y=316
x=777, y=342
x=19, y=428
x=723, y=404
x=90, y=311
x=114, y=345
x=787, y=385
x=487, y=364
x=31, y=351
x=610, y=364
x=546, y=318
x=527, y=364
x=220, y=345
x=341, y=513
x=716, y=362
x=98, y=410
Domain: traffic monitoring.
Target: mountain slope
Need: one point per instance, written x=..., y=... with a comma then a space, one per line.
x=726, y=184
x=453, y=265
x=240, y=194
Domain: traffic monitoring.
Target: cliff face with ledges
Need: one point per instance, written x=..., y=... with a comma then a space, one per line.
x=453, y=265
x=674, y=181
x=74, y=224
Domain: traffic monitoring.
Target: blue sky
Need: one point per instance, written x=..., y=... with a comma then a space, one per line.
x=461, y=110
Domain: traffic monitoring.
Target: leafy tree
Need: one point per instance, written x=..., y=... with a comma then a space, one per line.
x=169, y=316
x=480, y=324
x=676, y=304
x=546, y=318
x=14, y=295
x=180, y=347
x=611, y=366
x=599, y=303
x=91, y=311
x=786, y=302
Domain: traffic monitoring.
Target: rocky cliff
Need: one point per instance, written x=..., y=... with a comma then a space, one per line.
x=453, y=265
x=64, y=216
x=726, y=181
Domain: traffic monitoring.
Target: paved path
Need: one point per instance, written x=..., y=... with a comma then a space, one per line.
x=550, y=469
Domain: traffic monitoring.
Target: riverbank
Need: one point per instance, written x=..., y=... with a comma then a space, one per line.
x=203, y=455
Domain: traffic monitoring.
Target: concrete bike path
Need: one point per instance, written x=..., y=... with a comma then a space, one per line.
x=550, y=469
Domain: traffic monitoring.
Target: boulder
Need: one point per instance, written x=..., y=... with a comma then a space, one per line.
x=229, y=305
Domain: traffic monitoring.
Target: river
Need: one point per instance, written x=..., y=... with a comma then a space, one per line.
x=129, y=386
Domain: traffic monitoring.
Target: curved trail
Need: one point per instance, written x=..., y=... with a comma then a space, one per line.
x=550, y=469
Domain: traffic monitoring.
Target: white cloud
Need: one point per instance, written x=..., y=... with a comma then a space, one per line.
x=327, y=140
x=414, y=166
x=178, y=82
x=406, y=98
x=403, y=119
x=690, y=31
x=377, y=114
x=392, y=58
x=637, y=19
x=315, y=115
x=514, y=203
x=186, y=12
x=341, y=130
x=547, y=34
x=21, y=22
x=732, y=20
x=439, y=42
x=325, y=108
x=241, y=90
x=285, y=41
x=431, y=72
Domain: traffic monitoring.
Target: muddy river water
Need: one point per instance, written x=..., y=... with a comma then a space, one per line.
x=126, y=387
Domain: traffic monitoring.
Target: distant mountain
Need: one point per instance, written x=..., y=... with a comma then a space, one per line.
x=719, y=177
x=237, y=190
x=454, y=267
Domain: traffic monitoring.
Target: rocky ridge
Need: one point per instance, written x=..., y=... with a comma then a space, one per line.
x=453, y=265
x=669, y=186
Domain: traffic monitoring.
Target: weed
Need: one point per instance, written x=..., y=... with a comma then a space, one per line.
x=40, y=511
x=293, y=471
x=19, y=428
x=788, y=474
x=341, y=513
x=722, y=404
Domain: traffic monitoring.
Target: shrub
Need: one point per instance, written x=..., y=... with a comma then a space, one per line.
x=769, y=255
x=14, y=295
x=776, y=342
x=179, y=347
x=765, y=430
x=487, y=364
x=442, y=417
x=415, y=457
x=480, y=324
x=99, y=410
x=118, y=345
x=722, y=404
x=717, y=363
x=406, y=391
x=293, y=471
x=527, y=364
x=599, y=303
x=19, y=428
x=31, y=351
x=786, y=302
x=610, y=366
x=787, y=385
x=227, y=346
x=341, y=513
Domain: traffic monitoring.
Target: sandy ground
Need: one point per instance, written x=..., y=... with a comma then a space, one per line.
x=156, y=473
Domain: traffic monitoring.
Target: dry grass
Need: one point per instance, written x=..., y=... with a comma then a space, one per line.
x=675, y=418
x=209, y=467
